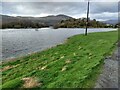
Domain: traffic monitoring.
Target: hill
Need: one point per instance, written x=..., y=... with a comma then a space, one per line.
x=33, y=22
x=57, y=21
x=80, y=23
x=114, y=21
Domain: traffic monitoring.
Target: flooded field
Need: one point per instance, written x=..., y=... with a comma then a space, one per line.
x=20, y=42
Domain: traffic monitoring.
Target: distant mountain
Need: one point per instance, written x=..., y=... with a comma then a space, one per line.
x=51, y=20
x=111, y=22
x=48, y=20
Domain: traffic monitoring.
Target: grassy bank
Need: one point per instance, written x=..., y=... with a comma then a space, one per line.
x=76, y=63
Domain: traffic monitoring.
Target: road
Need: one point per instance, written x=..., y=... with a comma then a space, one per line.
x=109, y=76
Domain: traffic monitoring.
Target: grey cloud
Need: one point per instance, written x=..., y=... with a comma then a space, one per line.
x=98, y=7
x=58, y=0
x=49, y=7
x=69, y=8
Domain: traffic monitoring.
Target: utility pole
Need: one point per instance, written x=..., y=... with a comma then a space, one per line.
x=87, y=17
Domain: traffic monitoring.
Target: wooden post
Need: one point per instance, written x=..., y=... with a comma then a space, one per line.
x=87, y=17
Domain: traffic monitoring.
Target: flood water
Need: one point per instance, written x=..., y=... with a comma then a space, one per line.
x=20, y=42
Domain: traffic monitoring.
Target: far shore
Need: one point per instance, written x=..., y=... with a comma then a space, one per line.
x=47, y=27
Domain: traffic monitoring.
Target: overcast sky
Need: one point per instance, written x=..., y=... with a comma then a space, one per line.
x=98, y=10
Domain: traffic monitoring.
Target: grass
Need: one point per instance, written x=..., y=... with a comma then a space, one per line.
x=76, y=63
x=15, y=83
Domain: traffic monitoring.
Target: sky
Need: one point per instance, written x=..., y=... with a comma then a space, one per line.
x=102, y=10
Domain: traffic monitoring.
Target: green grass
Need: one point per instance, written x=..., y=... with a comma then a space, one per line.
x=15, y=83
x=85, y=53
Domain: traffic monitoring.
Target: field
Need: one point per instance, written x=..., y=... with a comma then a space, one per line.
x=76, y=63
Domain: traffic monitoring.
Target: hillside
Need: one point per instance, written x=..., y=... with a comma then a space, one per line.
x=52, y=20
x=80, y=23
x=58, y=21
x=25, y=22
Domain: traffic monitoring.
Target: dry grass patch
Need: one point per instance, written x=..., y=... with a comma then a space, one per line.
x=67, y=61
x=30, y=82
x=64, y=68
x=6, y=68
x=44, y=67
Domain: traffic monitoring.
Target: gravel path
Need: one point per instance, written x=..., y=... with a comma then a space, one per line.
x=109, y=76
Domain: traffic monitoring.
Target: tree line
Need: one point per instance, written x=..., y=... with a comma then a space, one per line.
x=81, y=23
x=23, y=24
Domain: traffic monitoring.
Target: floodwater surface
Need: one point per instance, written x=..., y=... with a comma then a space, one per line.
x=20, y=42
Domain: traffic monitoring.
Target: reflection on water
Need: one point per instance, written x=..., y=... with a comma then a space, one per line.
x=19, y=42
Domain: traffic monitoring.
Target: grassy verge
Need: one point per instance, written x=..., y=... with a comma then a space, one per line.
x=76, y=63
